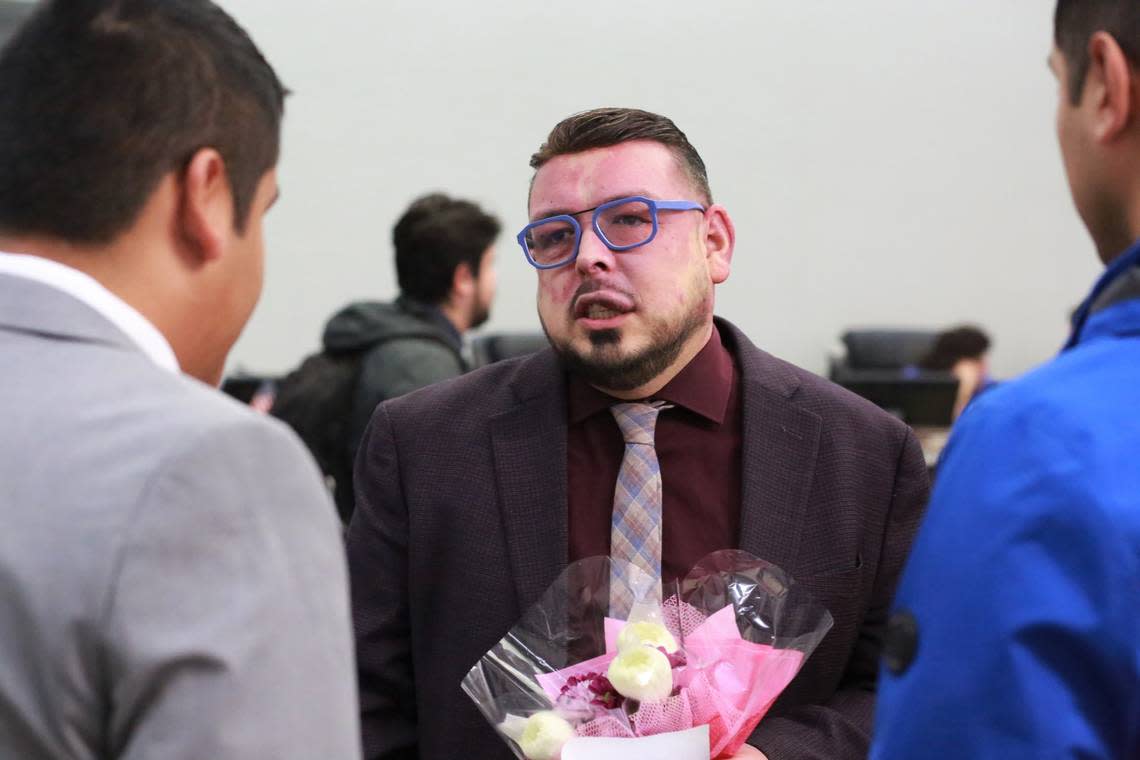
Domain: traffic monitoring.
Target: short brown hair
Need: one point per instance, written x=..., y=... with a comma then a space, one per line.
x=99, y=99
x=1075, y=21
x=954, y=345
x=605, y=127
x=433, y=237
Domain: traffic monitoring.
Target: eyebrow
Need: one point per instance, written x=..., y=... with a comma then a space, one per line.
x=567, y=212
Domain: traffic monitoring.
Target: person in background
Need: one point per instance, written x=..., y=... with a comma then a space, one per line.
x=1016, y=631
x=172, y=578
x=445, y=268
x=964, y=352
x=473, y=494
x=372, y=351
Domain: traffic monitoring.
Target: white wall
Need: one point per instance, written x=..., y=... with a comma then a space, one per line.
x=887, y=162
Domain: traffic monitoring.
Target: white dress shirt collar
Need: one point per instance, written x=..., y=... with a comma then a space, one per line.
x=88, y=290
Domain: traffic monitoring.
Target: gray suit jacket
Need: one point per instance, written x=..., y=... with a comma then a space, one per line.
x=172, y=579
x=461, y=525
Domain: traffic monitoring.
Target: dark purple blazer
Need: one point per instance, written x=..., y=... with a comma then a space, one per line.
x=460, y=525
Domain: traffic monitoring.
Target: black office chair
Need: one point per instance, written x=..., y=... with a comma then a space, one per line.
x=879, y=349
x=493, y=347
x=881, y=365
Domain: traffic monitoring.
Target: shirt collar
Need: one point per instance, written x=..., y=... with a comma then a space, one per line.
x=89, y=291
x=703, y=386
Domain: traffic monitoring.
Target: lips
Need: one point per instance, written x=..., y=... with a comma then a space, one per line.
x=602, y=305
x=598, y=311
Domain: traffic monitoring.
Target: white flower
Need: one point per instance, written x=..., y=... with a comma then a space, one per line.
x=544, y=735
x=642, y=673
x=512, y=726
x=648, y=633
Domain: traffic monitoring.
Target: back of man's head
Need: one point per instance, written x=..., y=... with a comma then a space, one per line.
x=1075, y=21
x=100, y=99
x=954, y=345
x=433, y=237
x=606, y=127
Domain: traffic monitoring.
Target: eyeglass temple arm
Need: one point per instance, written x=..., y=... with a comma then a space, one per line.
x=678, y=205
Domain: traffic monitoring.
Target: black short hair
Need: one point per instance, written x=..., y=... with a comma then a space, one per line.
x=433, y=237
x=1075, y=21
x=100, y=99
x=951, y=346
x=606, y=127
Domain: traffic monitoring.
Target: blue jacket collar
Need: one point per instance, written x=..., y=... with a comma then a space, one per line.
x=1116, y=292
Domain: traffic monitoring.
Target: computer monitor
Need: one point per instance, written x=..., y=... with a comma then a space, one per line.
x=923, y=401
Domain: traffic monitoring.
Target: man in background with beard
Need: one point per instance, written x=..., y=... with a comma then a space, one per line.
x=473, y=495
x=445, y=266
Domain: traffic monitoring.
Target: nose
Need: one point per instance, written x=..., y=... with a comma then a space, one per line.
x=593, y=254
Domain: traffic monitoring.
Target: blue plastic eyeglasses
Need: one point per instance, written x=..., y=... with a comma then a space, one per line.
x=621, y=224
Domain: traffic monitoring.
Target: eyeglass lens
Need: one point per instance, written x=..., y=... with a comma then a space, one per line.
x=626, y=224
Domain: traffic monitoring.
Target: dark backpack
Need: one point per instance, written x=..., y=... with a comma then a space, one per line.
x=316, y=401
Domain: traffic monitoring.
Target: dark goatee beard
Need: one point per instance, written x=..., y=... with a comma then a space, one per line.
x=605, y=367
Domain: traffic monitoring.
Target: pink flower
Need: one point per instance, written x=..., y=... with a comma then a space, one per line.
x=588, y=697
x=676, y=659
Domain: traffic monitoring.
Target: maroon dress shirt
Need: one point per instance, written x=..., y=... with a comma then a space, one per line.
x=698, y=447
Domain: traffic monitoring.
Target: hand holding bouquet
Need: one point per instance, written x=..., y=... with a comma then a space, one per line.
x=686, y=677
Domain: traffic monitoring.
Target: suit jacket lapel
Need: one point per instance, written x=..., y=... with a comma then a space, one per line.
x=529, y=444
x=780, y=448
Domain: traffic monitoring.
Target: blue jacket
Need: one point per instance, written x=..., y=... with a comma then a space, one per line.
x=1016, y=631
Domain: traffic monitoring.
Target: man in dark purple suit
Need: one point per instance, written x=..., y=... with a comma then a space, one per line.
x=473, y=495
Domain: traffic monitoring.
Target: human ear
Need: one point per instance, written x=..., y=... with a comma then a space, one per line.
x=462, y=280
x=205, y=212
x=720, y=241
x=1109, y=85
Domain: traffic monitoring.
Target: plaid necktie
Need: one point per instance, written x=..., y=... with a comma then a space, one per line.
x=635, y=532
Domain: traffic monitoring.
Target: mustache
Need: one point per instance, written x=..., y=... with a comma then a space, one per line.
x=593, y=286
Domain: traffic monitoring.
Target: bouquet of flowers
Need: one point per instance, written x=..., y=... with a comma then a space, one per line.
x=685, y=674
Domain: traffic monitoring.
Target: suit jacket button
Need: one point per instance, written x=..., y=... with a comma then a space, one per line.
x=901, y=642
